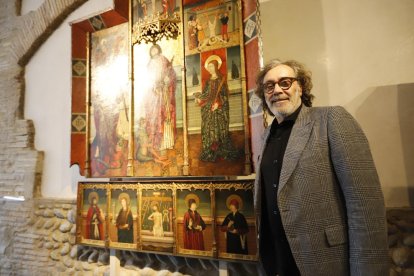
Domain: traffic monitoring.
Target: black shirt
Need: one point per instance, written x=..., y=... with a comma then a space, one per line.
x=270, y=169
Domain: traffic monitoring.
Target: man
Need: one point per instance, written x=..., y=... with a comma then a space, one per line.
x=318, y=200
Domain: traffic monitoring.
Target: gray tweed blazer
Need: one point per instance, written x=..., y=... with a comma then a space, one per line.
x=329, y=196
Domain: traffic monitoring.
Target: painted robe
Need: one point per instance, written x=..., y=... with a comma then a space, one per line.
x=125, y=225
x=215, y=119
x=193, y=239
x=94, y=224
x=236, y=242
x=160, y=106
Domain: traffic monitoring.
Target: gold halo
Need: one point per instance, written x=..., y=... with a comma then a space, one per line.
x=92, y=195
x=211, y=58
x=236, y=197
x=191, y=196
x=121, y=195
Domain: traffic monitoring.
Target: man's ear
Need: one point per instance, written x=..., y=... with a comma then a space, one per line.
x=300, y=90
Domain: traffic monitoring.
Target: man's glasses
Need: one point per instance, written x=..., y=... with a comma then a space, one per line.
x=284, y=83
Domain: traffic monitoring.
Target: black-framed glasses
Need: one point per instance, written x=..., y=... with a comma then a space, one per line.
x=284, y=83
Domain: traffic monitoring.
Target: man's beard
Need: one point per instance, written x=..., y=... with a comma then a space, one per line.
x=287, y=108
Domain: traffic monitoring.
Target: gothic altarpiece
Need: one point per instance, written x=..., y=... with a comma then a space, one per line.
x=160, y=89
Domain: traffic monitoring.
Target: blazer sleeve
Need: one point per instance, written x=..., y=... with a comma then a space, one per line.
x=358, y=179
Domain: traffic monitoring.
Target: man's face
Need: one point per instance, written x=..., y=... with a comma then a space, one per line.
x=282, y=102
x=94, y=201
x=193, y=206
x=233, y=208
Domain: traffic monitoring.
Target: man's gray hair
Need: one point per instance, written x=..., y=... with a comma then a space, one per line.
x=303, y=75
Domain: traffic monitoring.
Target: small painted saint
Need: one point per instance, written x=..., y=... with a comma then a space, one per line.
x=224, y=19
x=142, y=9
x=201, y=36
x=157, y=218
x=94, y=219
x=192, y=33
x=195, y=80
x=124, y=221
x=234, y=70
x=193, y=227
x=236, y=228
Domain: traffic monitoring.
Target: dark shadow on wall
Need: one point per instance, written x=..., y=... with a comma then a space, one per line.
x=386, y=114
x=406, y=118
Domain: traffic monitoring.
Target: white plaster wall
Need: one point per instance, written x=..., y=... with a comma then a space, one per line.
x=361, y=53
x=48, y=101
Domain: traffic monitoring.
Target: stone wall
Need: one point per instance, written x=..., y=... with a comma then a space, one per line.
x=401, y=241
x=37, y=237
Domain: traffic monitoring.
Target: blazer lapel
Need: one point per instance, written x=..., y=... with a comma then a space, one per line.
x=297, y=142
x=257, y=184
x=265, y=138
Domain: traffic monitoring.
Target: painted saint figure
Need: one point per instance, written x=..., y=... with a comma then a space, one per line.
x=224, y=19
x=195, y=80
x=94, y=219
x=236, y=228
x=109, y=111
x=200, y=35
x=215, y=118
x=193, y=227
x=234, y=70
x=142, y=9
x=157, y=219
x=124, y=222
x=160, y=108
x=192, y=33
x=212, y=27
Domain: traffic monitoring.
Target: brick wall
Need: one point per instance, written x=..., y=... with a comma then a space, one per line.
x=21, y=245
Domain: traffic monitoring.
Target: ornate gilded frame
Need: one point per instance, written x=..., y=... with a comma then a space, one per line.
x=175, y=187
